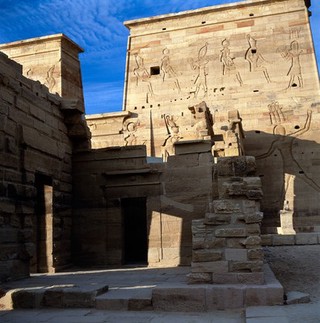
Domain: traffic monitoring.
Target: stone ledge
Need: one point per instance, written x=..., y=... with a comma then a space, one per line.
x=59, y=296
x=207, y=297
x=311, y=238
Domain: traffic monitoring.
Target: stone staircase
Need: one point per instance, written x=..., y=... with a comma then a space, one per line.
x=167, y=295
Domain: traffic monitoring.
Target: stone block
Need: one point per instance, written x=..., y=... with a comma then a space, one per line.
x=234, y=243
x=252, y=241
x=306, y=238
x=253, y=229
x=224, y=297
x=205, y=158
x=255, y=278
x=204, y=255
x=217, y=219
x=245, y=266
x=236, y=166
x=192, y=146
x=27, y=299
x=235, y=254
x=199, y=278
x=294, y=297
x=177, y=299
x=283, y=240
x=230, y=232
x=226, y=206
x=77, y=298
x=207, y=242
x=8, y=235
x=266, y=239
x=255, y=296
x=209, y=267
x=53, y=298
x=255, y=254
x=254, y=217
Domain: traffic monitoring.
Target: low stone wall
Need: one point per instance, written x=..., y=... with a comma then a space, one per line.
x=227, y=242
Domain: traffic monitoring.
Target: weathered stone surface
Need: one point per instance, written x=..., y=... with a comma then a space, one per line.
x=254, y=218
x=226, y=206
x=246, y=266
x=179, y=299
x=231, y=232
x=209, y=267
x=252, y=241
x=255, y=254
x=204, y=255
x=294, y=297
x=235, y=254
x=217, y=219
x=199, y=278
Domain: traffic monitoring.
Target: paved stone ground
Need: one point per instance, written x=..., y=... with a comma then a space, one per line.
x=286, y=262
x=99, y=316
x=300, y=313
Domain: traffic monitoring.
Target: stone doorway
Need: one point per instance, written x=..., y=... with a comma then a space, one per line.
x=135, y=240
x=42, y=261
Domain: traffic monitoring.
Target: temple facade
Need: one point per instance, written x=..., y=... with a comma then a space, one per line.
x=214, y=154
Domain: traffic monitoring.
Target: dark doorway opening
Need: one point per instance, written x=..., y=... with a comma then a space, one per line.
x=42, y=261
x=134, y=214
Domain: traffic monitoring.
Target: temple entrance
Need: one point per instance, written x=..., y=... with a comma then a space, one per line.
x=135, y=240
x=42, y=261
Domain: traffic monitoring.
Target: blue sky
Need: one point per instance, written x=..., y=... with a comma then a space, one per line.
x=97, y=26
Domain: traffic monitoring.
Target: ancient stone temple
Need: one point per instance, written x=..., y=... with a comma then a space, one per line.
x=215, y=152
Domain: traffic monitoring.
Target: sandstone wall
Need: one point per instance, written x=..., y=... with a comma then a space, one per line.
x=256, y=57
x=35, y=176
x=51, y=60
x=174, y=194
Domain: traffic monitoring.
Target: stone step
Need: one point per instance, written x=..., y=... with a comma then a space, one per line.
x=208, y=297
x=126, y=299
x=57, y=296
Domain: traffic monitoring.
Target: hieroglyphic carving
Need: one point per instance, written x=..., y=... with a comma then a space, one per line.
x=142, y=75
x=200, y=66
x=276, y=113
x=294, y=72
x=227, y=60
x=35, y=73
x=255, y=59
x=50, y=80
x=291, y=168
x=295, y=33
x=167, y=69
x=130, y=127
x=173, y=136
x=202, y=120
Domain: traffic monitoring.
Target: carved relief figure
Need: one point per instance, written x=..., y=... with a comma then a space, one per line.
x=255, y=59
x=200, y=66
x=172, y=137
x=142, y=75
x=283, y=143
x=130, y=129
x=50, y=80
x=227, y=60
x=294, y=72
x=276, y=113
x=167, y=69
x=202, y=120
